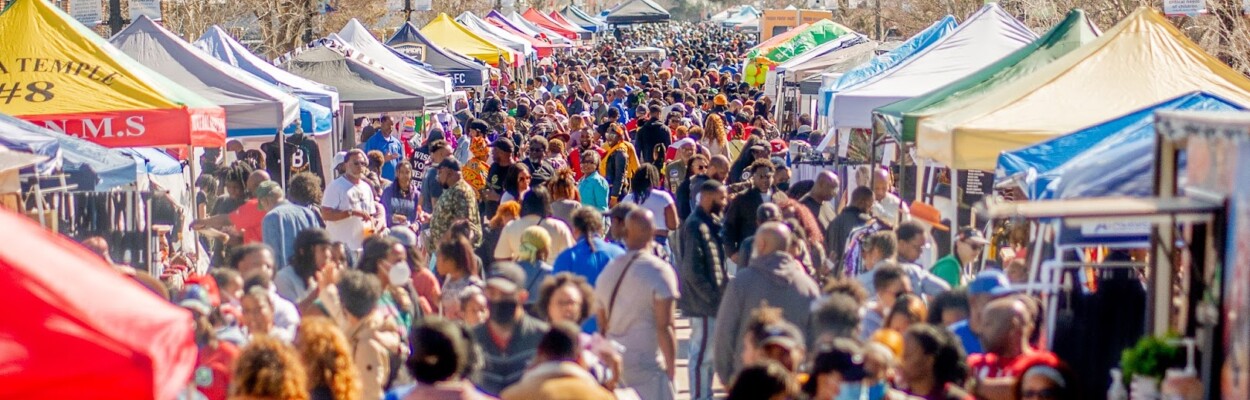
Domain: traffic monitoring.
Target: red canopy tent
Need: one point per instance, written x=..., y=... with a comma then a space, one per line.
x=542, y=46
x=559, y=19
x=73, y=326
x=538, y=18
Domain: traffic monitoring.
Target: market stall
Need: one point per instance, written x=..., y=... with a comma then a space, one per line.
x=367, y=86
x=637, y=12
x=500, y=37
x=434, y=88
x=120, y=103
x=542, y=49
x=446, y=33
x=580, y=18
x=567, y=32
x=520, y=23
x=463, y=71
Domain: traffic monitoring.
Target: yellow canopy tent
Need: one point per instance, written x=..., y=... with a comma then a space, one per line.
x=446, y=32
x=58, y=74
x=1141, y=61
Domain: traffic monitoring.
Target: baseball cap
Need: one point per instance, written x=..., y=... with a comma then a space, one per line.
x=504, y=145
x=340, y=158
x=777, y=146
x=267, y=188
x=991, y=282
x=683, y=142
x=782, y=334
x=507, y=277
x=973, y=235
x=450, y=163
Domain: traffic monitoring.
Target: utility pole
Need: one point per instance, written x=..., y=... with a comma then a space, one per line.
x=408, y=10
x=115, y=17
x=878, y=18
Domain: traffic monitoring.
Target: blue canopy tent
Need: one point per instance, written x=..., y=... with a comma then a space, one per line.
x=89, y=165
x=1115, y=158
x=153, y=161
x=879, y=64
x=317, y=101
x=463, y=71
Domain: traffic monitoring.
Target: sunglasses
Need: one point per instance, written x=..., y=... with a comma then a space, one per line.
x=700, y=167
x=360, y=163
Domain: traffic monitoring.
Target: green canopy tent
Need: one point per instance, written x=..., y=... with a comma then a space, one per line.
x=816, y=34
x=901, y=118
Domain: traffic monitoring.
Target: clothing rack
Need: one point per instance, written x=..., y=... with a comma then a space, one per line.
x=122, y=217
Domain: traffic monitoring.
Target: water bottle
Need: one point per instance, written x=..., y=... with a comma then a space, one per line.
x=1117, y=390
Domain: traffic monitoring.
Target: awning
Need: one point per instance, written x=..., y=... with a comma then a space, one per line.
x=462, y=70
x=637, y=12
x=76, y=83
x=434, y=88
x=369, y=87
x=877, y=65
x=447, y=33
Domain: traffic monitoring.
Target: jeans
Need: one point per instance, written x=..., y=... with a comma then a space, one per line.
x=700, y=361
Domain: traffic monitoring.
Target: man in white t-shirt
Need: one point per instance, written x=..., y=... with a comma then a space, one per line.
x=888, y=207
x=348, y=206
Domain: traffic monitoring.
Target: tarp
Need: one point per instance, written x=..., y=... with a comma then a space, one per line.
x=985, y=37
x=22, y=136
x=538, y=18
x=72, y=322
x=581, y=18
x=767, y=45
x=816, y=34
x=315, y=100
x=848, y=47
x=1114, y=158
x=253, y=107
x=558, y=18
x=496, y=35
x=153, y=161
x=900, y=118
x=223, y=47
x=75, y=82
x=744, y=15
x=447, y=33
x=462, y=70
x=911, y=47
x=1142, y=60
x=543, y=48
x=637, y=12
x=358, y=80
x=434, y=87
x=520, y=23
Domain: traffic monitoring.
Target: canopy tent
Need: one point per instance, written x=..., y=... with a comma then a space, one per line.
x=1114, y=158
x=222, y=46
x=153, y=161
x=368, y=86
x=558, y=18
x=985, y=37
x=744, y=15
x=539, y=19
x=637, y=12
x=434, y=88
x=580, y=18
x=498, y=36
x=527, y=29
x=534, y=30
x=814, y=35
x=1142, y=60
x=72, y=322
x=253, y=107
x=447, y=33
x=848, y=47
x=863, y=73
x=723, y=15
x=78, y=84
x=542, y=48
x=777, y=39
x=749, y=25
x=315, y=100
x=900, y=119
x=463, y=71
x=90, y=166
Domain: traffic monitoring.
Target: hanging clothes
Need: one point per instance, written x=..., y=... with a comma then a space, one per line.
x=298, y=154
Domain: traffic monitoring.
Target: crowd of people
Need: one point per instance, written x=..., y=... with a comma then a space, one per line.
x=542, y=241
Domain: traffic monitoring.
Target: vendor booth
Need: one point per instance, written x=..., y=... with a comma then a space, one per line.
x=434, y=88
x=463, y=71
x=367, y=86
x=446, y=33
x=637, y=12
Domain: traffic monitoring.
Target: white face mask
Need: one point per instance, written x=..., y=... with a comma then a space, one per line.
x=400, y=274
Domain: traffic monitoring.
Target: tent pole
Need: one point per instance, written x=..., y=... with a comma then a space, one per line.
x=282, y=170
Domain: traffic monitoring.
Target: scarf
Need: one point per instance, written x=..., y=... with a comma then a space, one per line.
x=631, y=159
x=476, y=169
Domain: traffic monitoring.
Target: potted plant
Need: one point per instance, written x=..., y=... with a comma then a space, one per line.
x=1145, y=364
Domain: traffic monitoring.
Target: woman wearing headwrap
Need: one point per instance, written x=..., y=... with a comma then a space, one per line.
x=532, y=255
x=476, y=169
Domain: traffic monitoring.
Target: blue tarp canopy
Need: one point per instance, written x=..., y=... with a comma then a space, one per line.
x=317, y=101
x=884, y=62
x=1115, y=158
x=463, y=71
x=89, y=165
x=153, y=161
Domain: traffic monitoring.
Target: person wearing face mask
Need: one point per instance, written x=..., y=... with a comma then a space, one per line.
x=619, y=163
x=702, y=281
x=387, y=258
x=509, y=339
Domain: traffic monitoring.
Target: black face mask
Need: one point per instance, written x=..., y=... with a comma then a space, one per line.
x=717, y=209
x=503, y=312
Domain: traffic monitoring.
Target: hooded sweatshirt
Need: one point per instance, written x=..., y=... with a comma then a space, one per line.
x=776, y=278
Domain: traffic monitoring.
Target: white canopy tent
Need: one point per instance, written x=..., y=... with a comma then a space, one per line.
x=434, y=88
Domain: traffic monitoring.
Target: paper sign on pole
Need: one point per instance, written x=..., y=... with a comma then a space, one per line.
x=422, y=5
x=150, y=8
x=394, y=5
x=88, y=12
x=1184, y=7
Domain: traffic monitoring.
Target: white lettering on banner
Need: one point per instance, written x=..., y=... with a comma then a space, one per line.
x=458, y=78
x=98, y=128
x=201, y=122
